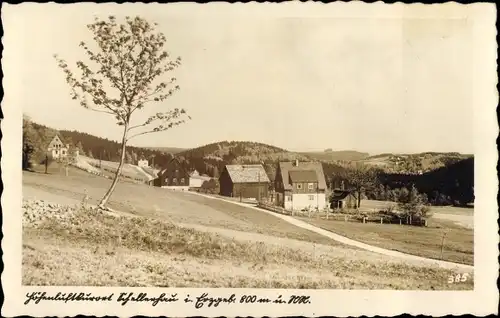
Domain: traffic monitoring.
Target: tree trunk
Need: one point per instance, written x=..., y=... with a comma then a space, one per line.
x=106, y=197
x=359, y=199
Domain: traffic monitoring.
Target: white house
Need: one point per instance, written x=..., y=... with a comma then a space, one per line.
x=57, y=149
x=300, y=185
x=196, y=180
x=143, y=163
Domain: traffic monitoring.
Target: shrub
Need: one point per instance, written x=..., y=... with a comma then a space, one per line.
x=413, y=205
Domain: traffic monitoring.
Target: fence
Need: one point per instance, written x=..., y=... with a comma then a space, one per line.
x=273, y=208
x=346, y=217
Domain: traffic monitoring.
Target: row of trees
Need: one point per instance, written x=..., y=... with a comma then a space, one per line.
x=445, y=186
x=364, y=182
x=385, y=193
x=450, y=184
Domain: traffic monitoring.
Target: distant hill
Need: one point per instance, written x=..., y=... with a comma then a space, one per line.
x=212, y=158
x=241, y=152
x=414, y=163
x=331, y=156
x=172, y=150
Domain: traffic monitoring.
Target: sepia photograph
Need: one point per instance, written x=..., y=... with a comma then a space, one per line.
x=223, y=149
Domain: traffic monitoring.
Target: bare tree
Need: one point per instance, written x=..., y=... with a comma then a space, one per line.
x=129, y=61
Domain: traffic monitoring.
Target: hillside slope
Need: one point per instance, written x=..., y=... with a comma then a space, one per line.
x=342, y=155
x=90, y=145
x=241, y=152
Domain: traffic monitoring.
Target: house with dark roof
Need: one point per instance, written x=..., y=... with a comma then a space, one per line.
x=174, y=176
x=244, y=181
x=300, y=185
x=343, y=199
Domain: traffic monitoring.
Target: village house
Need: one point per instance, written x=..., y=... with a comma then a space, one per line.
x=143, y=163
x=174, y=176
x=343, y=199
x=244, y=181
x=300, y=185
x=196, y=180
x=57, y=149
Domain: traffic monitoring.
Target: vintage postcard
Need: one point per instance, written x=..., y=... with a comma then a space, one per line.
x=286, y=159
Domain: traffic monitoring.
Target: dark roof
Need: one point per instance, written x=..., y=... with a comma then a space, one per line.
x=247, y=173
x=287, y=166
x=338, y=195
x=177, y=163
x=303, y=176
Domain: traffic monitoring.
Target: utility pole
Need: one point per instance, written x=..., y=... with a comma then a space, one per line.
x=442, y=244
x=46, y=162
x=258, y=199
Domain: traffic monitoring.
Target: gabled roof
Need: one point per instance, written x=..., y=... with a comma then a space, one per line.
x=303, y=176
x=247, y=173
x=286, y=167
x=56, y=138
x=174, y=162
x=338, y=195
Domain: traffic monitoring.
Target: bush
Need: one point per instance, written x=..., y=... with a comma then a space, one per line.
x=413, y=205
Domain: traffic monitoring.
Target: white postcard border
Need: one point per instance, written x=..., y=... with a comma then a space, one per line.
x=483, y=300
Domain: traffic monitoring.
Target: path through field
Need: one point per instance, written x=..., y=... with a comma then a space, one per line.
x=347, y=241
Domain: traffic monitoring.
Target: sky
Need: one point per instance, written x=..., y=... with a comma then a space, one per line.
x=370, y=83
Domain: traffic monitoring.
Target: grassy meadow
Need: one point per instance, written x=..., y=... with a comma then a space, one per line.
x=97, y=249
x=449, y=222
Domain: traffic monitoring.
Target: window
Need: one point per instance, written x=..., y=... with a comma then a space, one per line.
x=57, y=152
x=64, y=152
x=174, y=180
x=311, y=197
x=310, y=186
x=299, y=185
x=182, y=180
x=288, y=198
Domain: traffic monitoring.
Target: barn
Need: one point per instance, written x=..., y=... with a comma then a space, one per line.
x=342, y=199
x=244, y=181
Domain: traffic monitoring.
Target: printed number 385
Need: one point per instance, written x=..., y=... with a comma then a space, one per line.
x=458, y=278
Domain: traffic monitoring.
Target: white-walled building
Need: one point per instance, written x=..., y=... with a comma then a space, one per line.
x=300, y=185
x=143, y=163
x=196, y=180
x=57, y=149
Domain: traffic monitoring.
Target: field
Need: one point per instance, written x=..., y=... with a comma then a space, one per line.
x=129, y=171
x=457, y=223
x=165, y=238
x=463, y=217
x=183, y=208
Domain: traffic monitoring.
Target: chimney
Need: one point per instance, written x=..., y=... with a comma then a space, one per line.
x=296, y=162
